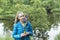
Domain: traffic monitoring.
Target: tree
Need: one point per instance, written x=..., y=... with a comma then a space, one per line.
x=42, y=13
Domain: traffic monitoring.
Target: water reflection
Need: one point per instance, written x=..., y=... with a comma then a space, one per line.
x=40, y=34
x=50, y=35
x=54, y=31
x=1, y=29
x=4, y=31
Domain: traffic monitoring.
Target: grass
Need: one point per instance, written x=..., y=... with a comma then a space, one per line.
x=58, y=37
x=6, y=38
x=9, y=38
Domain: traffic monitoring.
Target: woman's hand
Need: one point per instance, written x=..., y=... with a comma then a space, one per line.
x=27, y=33
x=24, y=34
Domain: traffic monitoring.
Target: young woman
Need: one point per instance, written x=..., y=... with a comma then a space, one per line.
x=22, y=27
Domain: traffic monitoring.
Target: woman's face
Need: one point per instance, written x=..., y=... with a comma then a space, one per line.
x=22, y=17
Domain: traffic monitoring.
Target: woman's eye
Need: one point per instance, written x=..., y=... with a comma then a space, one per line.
x=26, y=16
x=22, y=16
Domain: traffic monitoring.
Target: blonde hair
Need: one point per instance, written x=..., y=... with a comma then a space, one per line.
x=16, y=17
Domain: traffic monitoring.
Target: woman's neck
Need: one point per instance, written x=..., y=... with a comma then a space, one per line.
x=23, y=22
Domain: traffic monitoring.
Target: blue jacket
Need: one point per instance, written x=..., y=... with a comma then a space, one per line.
x=18, y=29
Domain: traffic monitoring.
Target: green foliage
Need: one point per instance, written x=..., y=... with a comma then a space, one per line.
x=57, y=37
x=7, y=38
x=36, y=10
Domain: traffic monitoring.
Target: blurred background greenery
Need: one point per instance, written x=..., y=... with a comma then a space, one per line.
x=41, y=13
x=57, y=37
